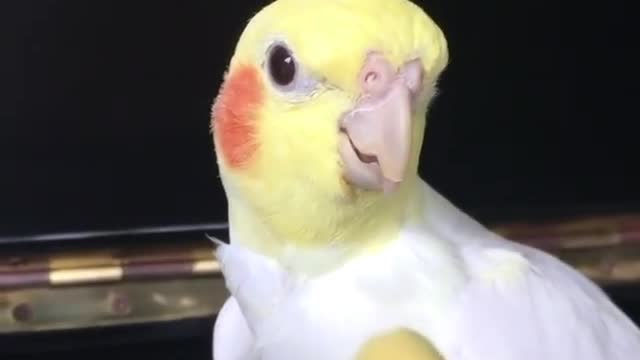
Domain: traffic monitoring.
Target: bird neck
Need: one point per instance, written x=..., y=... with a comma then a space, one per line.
x=314, y=236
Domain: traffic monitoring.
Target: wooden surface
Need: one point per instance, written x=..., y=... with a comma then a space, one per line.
x=75, y=289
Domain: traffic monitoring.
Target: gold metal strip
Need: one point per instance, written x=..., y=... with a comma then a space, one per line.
x=206, y=267
x=93, y=275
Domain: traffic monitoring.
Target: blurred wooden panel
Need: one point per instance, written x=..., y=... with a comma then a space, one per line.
x=132, y=285
x=605, y=248
x=40, y=309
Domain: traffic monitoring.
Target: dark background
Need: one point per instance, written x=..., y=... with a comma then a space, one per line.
x=104, y=111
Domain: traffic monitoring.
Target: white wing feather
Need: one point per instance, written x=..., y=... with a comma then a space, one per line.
x=522, y=303
x=232, y=338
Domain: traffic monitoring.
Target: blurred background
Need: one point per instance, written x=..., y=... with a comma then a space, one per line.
x=108, y=180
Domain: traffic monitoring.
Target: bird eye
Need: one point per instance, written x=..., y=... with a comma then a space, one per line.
x=281, y=65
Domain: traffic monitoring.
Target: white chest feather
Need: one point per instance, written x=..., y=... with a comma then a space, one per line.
x=473, y=294
x=329, y=316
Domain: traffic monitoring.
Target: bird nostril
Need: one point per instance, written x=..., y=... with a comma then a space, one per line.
x=375, y=82
x=371, y=78
x=376, y=74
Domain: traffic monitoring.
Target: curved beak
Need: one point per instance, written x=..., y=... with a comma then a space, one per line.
x=375, y=138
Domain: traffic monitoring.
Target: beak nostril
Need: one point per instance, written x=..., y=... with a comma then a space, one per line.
x=376, y=74
x=371, y=78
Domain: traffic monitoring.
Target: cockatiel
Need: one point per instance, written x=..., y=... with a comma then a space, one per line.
x=334, y=237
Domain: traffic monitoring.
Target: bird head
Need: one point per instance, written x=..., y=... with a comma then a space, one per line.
x=319, y=121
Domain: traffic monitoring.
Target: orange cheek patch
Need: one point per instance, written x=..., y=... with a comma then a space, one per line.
x=234, y=115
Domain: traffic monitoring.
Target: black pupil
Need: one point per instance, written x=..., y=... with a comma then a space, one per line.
x=282, y=66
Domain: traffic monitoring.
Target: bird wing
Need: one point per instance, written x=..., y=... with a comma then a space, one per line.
x=523, y=303
x=232, y=338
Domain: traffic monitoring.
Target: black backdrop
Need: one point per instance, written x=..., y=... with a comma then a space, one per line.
x=104, y=110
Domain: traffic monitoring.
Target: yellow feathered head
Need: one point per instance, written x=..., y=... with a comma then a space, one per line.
x=319, y=122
